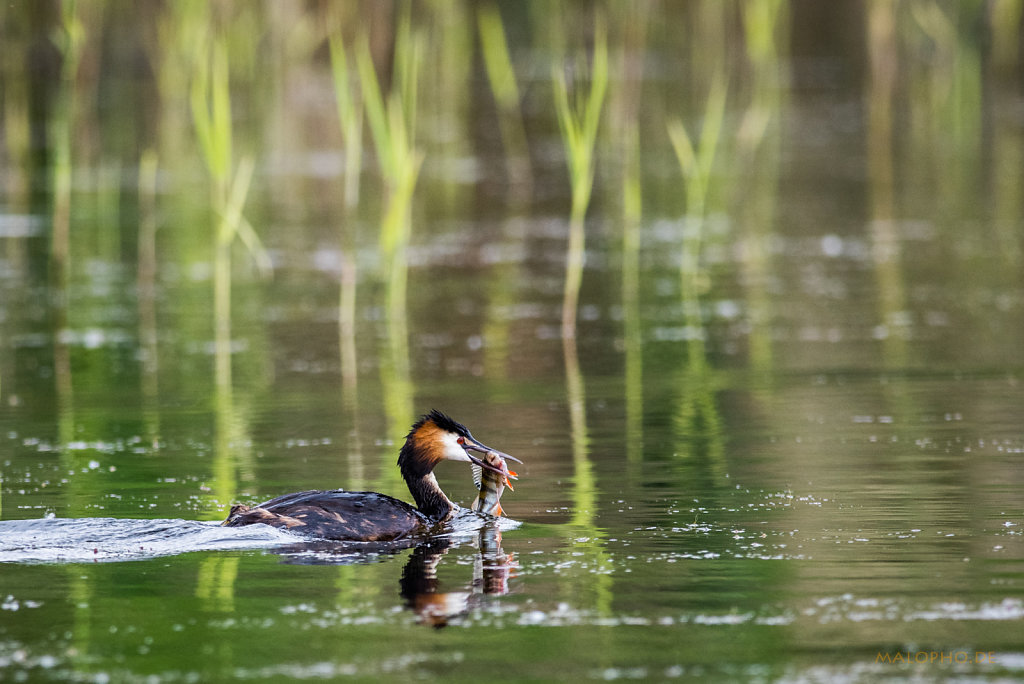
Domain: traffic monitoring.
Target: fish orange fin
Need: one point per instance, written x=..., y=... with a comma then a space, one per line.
x=498, y=511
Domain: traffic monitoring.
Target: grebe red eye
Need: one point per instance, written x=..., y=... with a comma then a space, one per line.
x=462, y=440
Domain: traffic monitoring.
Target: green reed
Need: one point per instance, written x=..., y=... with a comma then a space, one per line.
x=210, y=100
x=350, y=118
x=883, y=49
x=695, y=163
x=70, y=41
x=147, y=291
x=350, y=115
x=946, y=97
x=1005, y=20
x=578, y=121
x=14, y=113
x=502, y=79
x=392, y=123
x=760, y=138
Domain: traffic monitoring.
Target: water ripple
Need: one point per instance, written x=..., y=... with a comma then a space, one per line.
x=77, y=540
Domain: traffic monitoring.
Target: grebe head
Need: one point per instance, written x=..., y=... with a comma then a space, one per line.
x=436, y=437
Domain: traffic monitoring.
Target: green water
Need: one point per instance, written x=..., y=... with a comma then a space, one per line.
x=796, y=458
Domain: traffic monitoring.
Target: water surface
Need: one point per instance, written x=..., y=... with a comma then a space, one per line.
x=798, y=460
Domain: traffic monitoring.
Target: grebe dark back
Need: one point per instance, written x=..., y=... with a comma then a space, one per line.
x=371, y=516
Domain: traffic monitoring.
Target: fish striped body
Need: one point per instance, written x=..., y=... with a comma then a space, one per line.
x=490, y=485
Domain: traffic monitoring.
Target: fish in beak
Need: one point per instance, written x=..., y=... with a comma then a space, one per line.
x=490, y=485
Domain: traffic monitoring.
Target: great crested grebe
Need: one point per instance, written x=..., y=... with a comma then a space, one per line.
x=371, y=516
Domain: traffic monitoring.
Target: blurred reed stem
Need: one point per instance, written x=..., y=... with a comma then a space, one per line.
x=70, y=40
x=502, y=79
x=147, y=266
x=632, y=202
x=760, y=134
x=695, y=164
x=392, y=123
x=697, y=419
x=883, y=58
x=1005, y=22
x=350, y=115
x=625, y=97
x=210, y=100
x=578, y=123
x=350, y=118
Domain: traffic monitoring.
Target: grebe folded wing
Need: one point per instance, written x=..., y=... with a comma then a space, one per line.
x=335, y=514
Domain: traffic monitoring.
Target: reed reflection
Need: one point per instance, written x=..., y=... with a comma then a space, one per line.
x=885, y=240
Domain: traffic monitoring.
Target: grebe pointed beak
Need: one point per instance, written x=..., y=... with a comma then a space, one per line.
x=470, y=444
x=473, y=445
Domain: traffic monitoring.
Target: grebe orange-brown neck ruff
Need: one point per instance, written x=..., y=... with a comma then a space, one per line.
x=371, y=516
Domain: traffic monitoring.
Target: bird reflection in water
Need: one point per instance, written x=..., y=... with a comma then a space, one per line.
x=492, y=569
x=419, y=585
